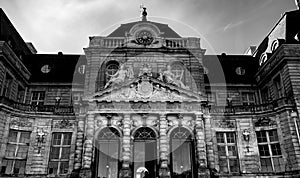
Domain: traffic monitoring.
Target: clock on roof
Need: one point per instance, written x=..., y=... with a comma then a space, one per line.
x=144, y=38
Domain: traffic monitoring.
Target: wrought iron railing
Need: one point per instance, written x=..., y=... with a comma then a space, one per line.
x=37, y=108
x=253, y=108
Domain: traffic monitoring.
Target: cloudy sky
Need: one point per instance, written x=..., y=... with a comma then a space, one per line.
x=229, y=26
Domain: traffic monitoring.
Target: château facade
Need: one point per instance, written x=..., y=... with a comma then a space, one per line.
x=147, y=102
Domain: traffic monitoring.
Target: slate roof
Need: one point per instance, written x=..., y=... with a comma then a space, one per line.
x=63, y=68
x=220, y=66
x=168, y=32
x=9, y=33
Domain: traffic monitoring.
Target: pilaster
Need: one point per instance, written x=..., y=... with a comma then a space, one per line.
x=86, y=171
x=209, y=141
x=79, y=143
x=201, y=146
x=164, y=171
x=126, y=154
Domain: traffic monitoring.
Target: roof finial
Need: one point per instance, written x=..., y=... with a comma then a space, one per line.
x=144, y=17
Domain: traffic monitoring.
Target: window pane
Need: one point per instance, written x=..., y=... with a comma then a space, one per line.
x=53, y=167
x=278, y=164
x=232, y=151
x=230, y=137
x=12, y=137
x=22, y=152
x=234, y=165
x=273, y=136
x=6, y=166
x=25, y=137
x=223, y=165
x=67, y=139
x=261, y=136
x=56, y=139
x=10, y=150
x=275, y=149
x=20, y=167
x=263, y=150
x=54, y=153
x=64, y=166
x=42, y=95
x=65, y=153
x=35, y=95
x=266, y=165
x=220, y=137
x=221, y=150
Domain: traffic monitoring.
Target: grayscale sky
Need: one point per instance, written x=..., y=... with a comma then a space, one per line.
x=229, y=26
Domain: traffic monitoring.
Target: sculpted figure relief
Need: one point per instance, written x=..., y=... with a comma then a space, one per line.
x=118, y=77
x=171, y=78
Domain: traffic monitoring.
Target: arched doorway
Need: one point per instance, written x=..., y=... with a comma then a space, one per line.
x=107, y=153
x=145, y=153
x=182, y=154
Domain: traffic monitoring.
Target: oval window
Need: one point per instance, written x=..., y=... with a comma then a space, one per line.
x=46, y=69
x=240, y=71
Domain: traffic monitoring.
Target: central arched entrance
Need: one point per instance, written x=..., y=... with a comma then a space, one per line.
x=145, y=153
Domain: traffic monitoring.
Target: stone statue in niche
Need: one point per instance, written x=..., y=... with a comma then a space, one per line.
x=169, y=77
x=118, y=77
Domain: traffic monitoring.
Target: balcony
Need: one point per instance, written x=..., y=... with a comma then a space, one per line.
x=58, y=110
x=254, y=109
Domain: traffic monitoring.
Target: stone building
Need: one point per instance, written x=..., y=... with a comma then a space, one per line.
x=147, y=102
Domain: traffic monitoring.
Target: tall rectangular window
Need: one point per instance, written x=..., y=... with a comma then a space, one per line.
x=15, y=158
x=269, y=149
x=211, y=97
x=38, y=97
x=7, y=85
x=228, y=155
x=248, y=98
x=60, y=153
x=265, y=95
x=278, y=87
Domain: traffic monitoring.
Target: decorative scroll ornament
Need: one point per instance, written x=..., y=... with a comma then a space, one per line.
x=265, y=122
x=17, y=122
x=63, y=124
x=224, y=123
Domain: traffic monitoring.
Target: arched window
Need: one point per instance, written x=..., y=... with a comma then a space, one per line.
x=145, y=153
x=107, y=164
x=182, y=155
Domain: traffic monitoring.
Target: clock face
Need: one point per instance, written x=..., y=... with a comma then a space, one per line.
x=144, y=38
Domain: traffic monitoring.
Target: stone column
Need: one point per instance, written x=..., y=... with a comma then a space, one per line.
x=126, y=154
x=201, y=146
x=164, y=171
x=86, y=171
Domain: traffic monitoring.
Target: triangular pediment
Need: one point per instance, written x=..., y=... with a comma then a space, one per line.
x=145, y=88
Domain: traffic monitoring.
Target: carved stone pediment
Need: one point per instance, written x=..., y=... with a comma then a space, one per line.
x=146, y=88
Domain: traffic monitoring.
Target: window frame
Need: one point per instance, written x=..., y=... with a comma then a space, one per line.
x=278, y=86
x=247, y=101
x=189, y=141
x=60, y=160
x=17, y=145
x=269, y=144
x=225, y=144
x=40, y=101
